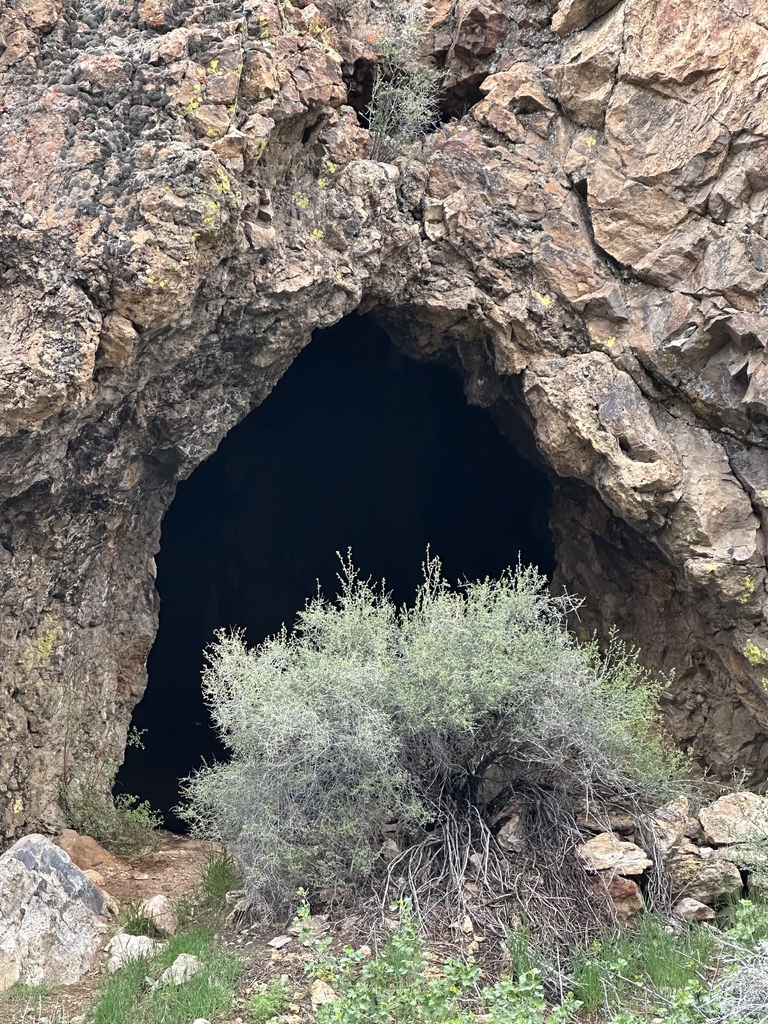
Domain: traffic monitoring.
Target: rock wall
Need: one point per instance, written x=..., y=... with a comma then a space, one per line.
x=185, y=197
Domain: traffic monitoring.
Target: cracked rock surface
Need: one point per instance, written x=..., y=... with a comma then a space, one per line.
x=185, y=195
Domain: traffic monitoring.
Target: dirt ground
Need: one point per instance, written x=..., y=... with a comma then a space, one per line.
x=174, y=868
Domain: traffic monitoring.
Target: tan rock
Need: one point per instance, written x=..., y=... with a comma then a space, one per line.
x=735, y=818
x=83, y=850
x=573, y=15
x=623, y=894
x=42, y=15
x=689, y=910
x=95, y=876
x=702, y=874
x=116, y=342
x=586, y=76
x=672, y=825
x=211, y=120
x=162, y=911
x=606, y=852
x=321, y=994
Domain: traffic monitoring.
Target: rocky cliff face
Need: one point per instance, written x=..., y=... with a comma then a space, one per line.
x=185, y=196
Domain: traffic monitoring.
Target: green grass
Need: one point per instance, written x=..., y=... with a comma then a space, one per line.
x=220, y=876
x=525, y=953
x=20, y=992
x=271, y=1001
x=135, y=922
x=631, y=967
x=127, y=994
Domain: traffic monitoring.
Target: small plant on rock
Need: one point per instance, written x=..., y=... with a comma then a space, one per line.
x=404, y=101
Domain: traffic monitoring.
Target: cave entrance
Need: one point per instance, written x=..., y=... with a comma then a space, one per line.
x=357, y=447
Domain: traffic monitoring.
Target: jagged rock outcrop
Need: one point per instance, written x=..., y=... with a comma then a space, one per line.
x=185, y=196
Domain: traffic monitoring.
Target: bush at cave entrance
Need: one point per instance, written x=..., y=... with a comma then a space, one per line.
x=431, y=717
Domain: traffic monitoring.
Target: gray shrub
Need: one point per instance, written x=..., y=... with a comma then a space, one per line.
x=367, y=718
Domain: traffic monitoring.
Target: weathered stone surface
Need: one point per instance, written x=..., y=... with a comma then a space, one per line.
x=672, y=825
x=52, y=918
x=162, y=911
x=702, y=874
x=572, y=15
x=84, y=851
x=689, y=910
x=186, y=197
x=606, y=852
x=623, y=895
x=122, y=948
x=735, y=818
x=184, y=967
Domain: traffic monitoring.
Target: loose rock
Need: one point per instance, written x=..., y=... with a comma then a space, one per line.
x=689, y=910
x=184, y=967
x=607, y=853
x=162, y=911
x=52, y=917
x=735, y=818
x=321, y=993
x=122, y=948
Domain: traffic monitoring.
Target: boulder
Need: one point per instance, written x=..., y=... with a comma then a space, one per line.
x=52, y=917
x=122, y=948
x=702, y=874
x=607, y=853
x=83, y=851
x=162, y=911
x=689, y=910
x=735, y=818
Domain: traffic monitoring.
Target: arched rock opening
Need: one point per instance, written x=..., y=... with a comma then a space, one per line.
x=358, y=446
x=170, y=239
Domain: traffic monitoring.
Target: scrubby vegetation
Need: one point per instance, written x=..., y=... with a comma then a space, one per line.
x=123, y=824
x=703, y=975
x=426, y=724
x=404, y=103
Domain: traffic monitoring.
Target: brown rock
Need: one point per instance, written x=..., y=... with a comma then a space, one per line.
x=83, y=851
x=606, y=852
x=600, y=229
x=623, y=894
x=482, y=27
x=688, y=911
x=735, y=818
x=586, y=76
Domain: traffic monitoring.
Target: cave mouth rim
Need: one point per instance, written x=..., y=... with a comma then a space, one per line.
x=444, y=363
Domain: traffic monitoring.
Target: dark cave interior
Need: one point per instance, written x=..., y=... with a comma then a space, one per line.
x=358, y=447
